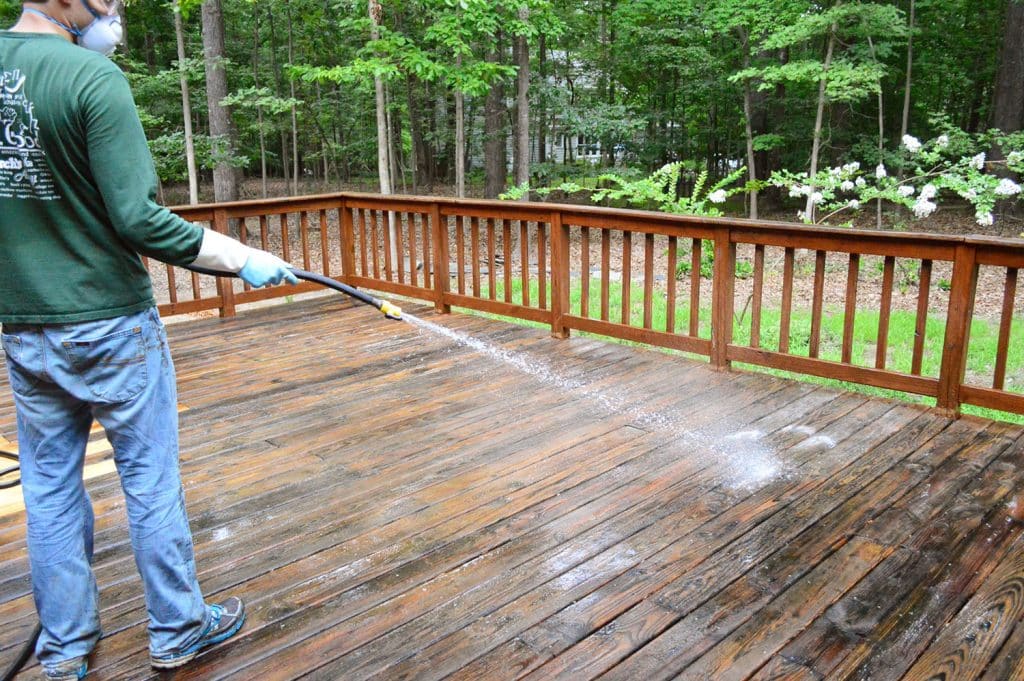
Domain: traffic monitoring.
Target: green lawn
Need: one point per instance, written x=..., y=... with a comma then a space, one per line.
x=980, y=360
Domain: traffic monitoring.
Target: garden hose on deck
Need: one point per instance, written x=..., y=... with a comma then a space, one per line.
x=390, y=311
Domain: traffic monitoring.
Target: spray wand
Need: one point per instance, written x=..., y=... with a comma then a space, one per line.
x=390, y=311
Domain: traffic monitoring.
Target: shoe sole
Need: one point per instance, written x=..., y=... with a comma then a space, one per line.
x=188, y=657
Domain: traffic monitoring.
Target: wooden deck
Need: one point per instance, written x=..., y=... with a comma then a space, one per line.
x=391, y=505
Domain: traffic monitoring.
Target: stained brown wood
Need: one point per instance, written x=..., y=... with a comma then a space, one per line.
x=387, y=225
x=524, y=261
x=286, y=252
x=627, y=276
x=882, y=341
x=648, y=279
x=1005, y=323
x=849, y=316
x=391, y=505
x=542, y=265
x=757, y=296
x=921, y=321
x=304, y=237
x=399, y=219
x=787, y=300
x=584, y=271
x=506, y=229
x=460, y=255
x=816, y=303
x=670, y=276
x=474, y=237
x=492, y=263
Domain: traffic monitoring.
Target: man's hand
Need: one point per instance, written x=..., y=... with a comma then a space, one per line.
x=264, y=269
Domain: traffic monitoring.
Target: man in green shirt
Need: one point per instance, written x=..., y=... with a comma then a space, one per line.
x=81, y=335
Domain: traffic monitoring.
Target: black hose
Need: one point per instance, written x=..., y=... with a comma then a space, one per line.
x=313, y=277
x=4, y=472
x=26, y=652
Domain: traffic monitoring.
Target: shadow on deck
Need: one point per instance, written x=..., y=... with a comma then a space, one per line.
x=391, y=504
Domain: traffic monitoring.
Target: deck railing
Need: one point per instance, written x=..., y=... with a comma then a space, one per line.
x=520, y=259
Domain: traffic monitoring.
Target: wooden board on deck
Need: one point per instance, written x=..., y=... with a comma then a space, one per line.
x=394, y=505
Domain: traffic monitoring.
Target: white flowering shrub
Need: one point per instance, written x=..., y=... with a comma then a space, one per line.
x=932, y=171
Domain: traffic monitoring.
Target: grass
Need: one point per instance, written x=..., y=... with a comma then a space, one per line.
x=980, y=359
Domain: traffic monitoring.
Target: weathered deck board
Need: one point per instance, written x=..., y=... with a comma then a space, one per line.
x=395, y=507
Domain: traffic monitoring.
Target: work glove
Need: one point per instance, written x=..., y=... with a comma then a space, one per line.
x=264, y=269
x=255, y=267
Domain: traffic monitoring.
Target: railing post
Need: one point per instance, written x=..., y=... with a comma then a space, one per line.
x=442, y=276
x=722, y=300
x=225, y=287
x=559, y=276
x=348, y=241
x=958, y=329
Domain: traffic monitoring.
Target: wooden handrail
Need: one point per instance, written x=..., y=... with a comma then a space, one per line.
x=545, y=245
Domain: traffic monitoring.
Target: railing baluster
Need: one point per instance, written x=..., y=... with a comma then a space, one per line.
x=585, y=272
x=428, y=254
x=325, y=251
x=695, y=258
x=386, y=218
x=506, y=234
x=559, y=276
x=787, y=300
x=460, y=256
x=264, y=236
x=757, y=295
x=492, y=263
x=442, y=261
x=723, y=301
x=524, y=249
x=648, y=279
x=365, y=242
x=373, y=243
x=816, y=304
x=400, y=217
x=285, y=240
x=172, y=285
x=627, y=273
x=244, y=237
x=346, y=240
x=413, y=278
x=474, y=238
x=606, y=257
x=1005, y=324
x=958, y=329
x=851, y=307
x=882, y=342
x=542, y=265
x=304, y=234
x=670, y=302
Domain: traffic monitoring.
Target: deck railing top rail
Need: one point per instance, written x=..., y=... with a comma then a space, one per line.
x=691, y=283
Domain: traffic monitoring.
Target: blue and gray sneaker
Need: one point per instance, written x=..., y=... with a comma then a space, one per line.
x=226, y=620
x=66, y=670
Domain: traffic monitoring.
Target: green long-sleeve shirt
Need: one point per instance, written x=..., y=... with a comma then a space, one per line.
x=77, y=188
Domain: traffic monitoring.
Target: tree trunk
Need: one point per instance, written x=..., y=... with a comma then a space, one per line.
x=495, y=163
x=1008, y=104
x=910, y=63
x=881, y=135
x=415, y=132
x=259, y=110
x=277, y=91
x=460, y=138
x=542, y=109
x=186, y=110
x=819, y=117
x=225, y=180
x=295, y=119
x=383, y=168
x=523, y=107
x=748, y=118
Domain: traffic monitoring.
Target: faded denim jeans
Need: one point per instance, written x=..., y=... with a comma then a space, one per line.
x=119, y=372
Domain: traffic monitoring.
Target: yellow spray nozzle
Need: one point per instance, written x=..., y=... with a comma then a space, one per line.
x=390, y=311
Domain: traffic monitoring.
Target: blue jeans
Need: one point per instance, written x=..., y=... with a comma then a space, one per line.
x=119, y=372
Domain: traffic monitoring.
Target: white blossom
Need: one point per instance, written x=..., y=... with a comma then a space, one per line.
x=817, y=198
x=801, y=215
x=912, y=144
x=942, y=141
x=928, y=192
x=717, y=196
x=880, y=171
x=854, y=204
x=1015, y=157
x=852, y=167
x=978, y=161
x=861, y=182
x=906, y=190
x=1007, y=187
x=847, y=186
x=795, y=190
x=984, y=219
x=835, y=172
x=970, y=194
x=923, y=208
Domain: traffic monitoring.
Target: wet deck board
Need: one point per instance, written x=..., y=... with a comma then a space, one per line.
x=393, y=506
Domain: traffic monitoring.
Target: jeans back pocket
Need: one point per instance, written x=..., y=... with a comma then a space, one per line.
x=11, y=345
x=113, y=367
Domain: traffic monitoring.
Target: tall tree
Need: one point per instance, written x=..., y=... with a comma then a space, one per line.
x=186, y=107
x=222, y=130
x=1008, y=104
x=523, y=102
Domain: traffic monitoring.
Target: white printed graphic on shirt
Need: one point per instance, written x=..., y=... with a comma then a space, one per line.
x=23, y=170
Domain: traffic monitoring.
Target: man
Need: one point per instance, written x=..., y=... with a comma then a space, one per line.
x=81, y=335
